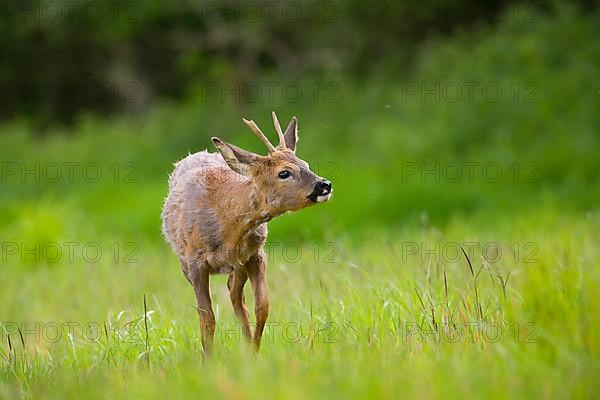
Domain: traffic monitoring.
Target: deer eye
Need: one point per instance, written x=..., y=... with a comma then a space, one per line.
x=284, y=174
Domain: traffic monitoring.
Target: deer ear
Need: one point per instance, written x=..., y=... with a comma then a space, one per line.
x=236, y=158
x=291, y=135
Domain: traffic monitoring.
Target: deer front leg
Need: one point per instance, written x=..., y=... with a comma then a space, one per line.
x=235, y=283
x=199, y=279
x=257, y=272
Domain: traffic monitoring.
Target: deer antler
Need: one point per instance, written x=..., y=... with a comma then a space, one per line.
x=252, y=125
x=281, y=144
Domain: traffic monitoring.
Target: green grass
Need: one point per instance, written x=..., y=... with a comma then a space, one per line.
x=386, y=303
x=377, y=320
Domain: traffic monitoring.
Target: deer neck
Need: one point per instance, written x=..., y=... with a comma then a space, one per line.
x=251, y=209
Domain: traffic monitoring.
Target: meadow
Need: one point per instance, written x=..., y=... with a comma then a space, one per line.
x=458, y=257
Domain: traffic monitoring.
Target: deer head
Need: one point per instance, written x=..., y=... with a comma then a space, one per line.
x=283, y=181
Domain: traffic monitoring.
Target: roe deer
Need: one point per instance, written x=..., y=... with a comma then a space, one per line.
x=216, y=213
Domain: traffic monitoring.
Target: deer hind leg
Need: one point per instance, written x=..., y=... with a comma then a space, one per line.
x=199, y=279
x=185, y=269
x=257, y=272
x=235, y=283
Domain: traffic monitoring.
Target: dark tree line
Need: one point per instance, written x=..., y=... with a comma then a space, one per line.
x=61, y=57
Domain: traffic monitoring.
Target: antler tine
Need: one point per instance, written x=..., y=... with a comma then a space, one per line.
x=252, y=125
x=279, y=131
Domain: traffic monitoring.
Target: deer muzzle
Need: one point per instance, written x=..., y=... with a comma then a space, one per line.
x=321, y=192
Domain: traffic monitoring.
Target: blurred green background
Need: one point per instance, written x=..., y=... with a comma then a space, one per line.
x=383, y=93
x=438, y=120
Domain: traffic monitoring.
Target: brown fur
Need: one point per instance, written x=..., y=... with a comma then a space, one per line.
x=216, y=213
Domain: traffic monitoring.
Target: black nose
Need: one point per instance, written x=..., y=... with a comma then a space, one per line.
x=323, y=187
